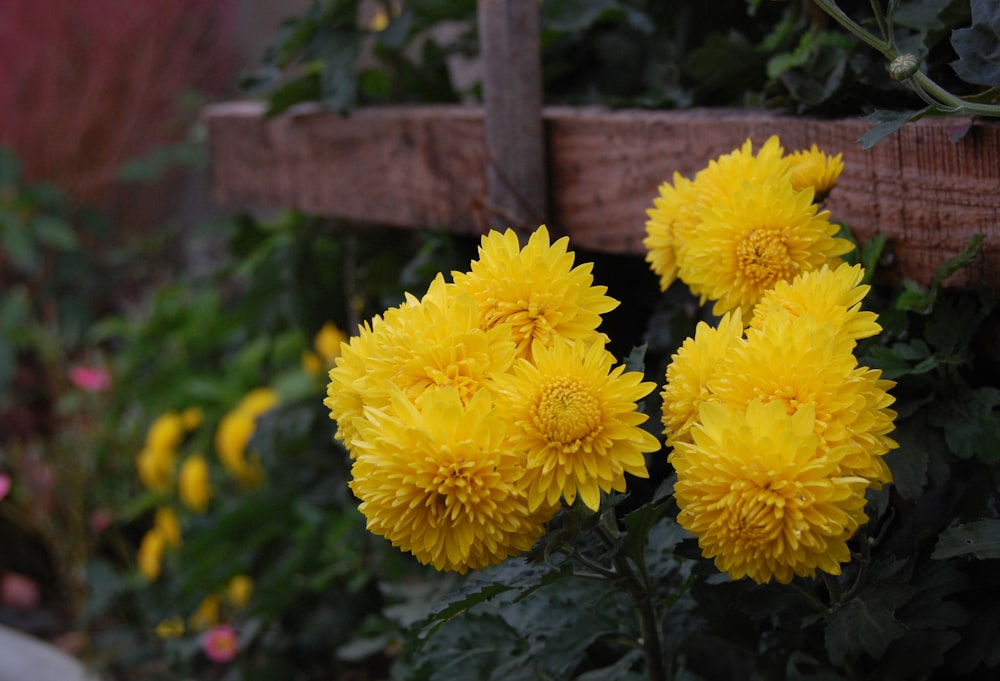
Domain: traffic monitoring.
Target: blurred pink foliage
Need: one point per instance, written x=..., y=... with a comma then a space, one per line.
x=88, y=84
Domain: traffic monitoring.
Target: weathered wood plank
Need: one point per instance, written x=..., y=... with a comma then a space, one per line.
x=412, y=167
x=425, y=167
x=512, y=95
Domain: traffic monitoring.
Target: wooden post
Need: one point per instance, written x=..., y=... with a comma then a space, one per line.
x=512, y=91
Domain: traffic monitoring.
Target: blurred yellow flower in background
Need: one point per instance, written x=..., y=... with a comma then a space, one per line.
x=234, y=433
x=239, y=591
x=166, y=432
x=149, y=557
x=194, y=485
x=326, y=349
x=155, y=468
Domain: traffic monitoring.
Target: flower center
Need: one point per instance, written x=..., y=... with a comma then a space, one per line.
x=527, y=320
x=762, y=256
x=567, y=412
x=756, y=513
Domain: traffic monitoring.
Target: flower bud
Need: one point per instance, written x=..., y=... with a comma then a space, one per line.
x=904, y=66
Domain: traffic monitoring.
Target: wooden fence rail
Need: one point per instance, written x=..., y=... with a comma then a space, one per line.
x=425, y=167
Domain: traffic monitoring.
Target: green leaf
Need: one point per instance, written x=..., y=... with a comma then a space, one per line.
x=915, y=298
x=887, y=122
x=619, y=671
x=864, y=626
x=338, y=81
x=638, y=524
x=978, y=47
x=54, y=232
x=18, y=246
x=871, y=253
x=960, y=260
x=980, y=538
x=971, y=424
x=303, y=89
x=909, y=463
x=636, y=360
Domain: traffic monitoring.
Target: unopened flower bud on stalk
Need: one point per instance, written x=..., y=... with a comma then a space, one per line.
x=904, y=66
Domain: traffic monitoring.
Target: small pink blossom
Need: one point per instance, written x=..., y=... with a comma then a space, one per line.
x=220, y=643
x=90, y=378
x=100, y=520
x=5, y=485
x=18, y=591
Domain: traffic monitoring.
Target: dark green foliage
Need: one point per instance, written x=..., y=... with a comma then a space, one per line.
x=643, y=53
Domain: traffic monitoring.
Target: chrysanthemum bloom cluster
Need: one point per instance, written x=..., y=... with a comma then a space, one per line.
x=744, y=224
x=470, y=412
x=777, y=431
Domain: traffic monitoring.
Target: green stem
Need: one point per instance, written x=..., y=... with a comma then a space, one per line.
x=639, y=592
x=952, y=101
x=838, y=15
x=833, y=587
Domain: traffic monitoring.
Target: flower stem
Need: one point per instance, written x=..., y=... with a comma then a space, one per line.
x=640, y=593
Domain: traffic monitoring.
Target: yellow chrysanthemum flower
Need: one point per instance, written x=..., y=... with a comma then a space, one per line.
x=672, y=221
x=536, y=291
x=441, y=481
x=149, y=557
x=258, y=401
x=155, y=468
x=235, y=430
x=762, y=495
x=311, y=363
x=165, y=522
x=815, y=169
x=577, y=421
x=697, y=360
x=327, y=342
x=207, y=613
x=765, y=233
x=432, y=343
x=418, y=347
x=343, y=392
x=192, y=418
x=830, y=295
x=239, y=590
x=166, y=432
x=170, y=628
x=326, y=348
x=798, y=363
x=194, y=485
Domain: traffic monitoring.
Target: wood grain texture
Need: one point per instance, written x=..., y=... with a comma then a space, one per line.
x=425, y=167
x=512, y=96
x=410, y=167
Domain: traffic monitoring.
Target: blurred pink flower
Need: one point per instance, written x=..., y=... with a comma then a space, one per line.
x=18, y=591
x=100, y=520
x=91, y=379
x=220, y=643
x=5, y=485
